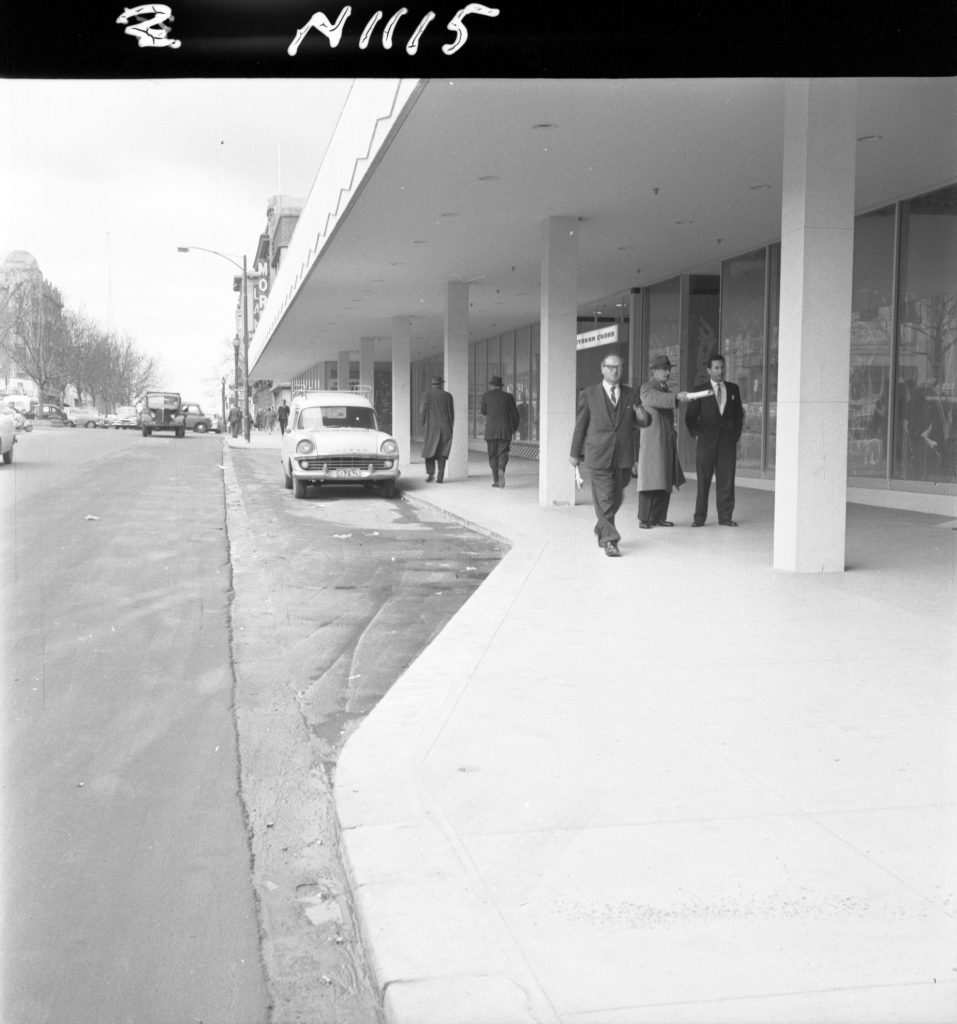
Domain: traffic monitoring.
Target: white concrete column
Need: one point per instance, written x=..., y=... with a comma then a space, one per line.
x=817, y=253
x=402, y=388
x=345, y=358
x=367, y=364
x=559, y=313
x=457, y=374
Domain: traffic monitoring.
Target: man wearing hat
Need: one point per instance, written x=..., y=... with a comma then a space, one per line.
x=501, y=422
x=658, y=467
x=437, y=415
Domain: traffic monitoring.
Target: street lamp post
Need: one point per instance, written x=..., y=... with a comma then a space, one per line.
x=245, y=301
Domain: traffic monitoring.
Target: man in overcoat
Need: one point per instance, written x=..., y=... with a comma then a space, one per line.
x=605, y=439
x=437, y=416
x=716, y=422
x=658, y=467
x=501, y=422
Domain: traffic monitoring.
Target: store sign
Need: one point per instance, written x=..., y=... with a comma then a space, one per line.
x=603, y=336
x=261, y=292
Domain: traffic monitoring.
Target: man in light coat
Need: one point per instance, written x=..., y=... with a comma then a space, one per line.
x=658, y=467
x=437, y=415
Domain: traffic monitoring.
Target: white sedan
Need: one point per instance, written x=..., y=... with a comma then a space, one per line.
x=8, y=432
x=334, y=438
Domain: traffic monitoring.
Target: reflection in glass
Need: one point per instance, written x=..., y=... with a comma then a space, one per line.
x=523, y=369
x=774, y=324
x=662, y=329
x=871, y=344
x=926, y=385
x=742, y=333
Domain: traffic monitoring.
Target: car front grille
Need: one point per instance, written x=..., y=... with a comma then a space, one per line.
x=327, y=463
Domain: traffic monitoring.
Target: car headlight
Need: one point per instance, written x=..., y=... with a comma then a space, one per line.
x=389, y=447
x=305, y=447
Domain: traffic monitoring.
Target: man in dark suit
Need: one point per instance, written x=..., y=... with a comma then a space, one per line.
x=606, y=440
x=501, y=421
x=716, y=422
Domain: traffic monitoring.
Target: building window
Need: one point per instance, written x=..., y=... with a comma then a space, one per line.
x=872, y=334
x=926, y=379
x=743, y=290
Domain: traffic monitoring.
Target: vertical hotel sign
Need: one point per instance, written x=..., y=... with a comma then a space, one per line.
x=603, y=336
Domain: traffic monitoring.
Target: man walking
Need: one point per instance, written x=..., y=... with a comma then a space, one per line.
x=716, y=422
x=234, y=419
x=501, y=422
x=658, y=467
x=437, y=415
x=282, y=415
x=605, y=439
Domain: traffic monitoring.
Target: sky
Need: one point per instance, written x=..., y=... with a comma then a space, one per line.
x=103, y=180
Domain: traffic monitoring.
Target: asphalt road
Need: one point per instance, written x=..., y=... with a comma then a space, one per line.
x=126, y=885
x=185, y=649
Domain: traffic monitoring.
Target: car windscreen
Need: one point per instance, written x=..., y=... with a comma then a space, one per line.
x=326, y=416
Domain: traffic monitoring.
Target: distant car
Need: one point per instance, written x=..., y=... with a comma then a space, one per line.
x=8, y=433
x=82, y=416
x=125, y=418
x=333, y=438
x=196, y=419
x=161, y=410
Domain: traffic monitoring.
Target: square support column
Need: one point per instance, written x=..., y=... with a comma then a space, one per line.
x=402, y=388
x=817, y=255
x=367, y=365
x=345, y=365
x=457, y=375
x=559, y=360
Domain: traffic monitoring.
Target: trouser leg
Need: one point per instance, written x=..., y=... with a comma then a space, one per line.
x=706, y=458
x=441, y=475
x=724, y=481
x=504, y=448
x=608, y=493
x=653, y=505
x=492, y=447
x=430, y=466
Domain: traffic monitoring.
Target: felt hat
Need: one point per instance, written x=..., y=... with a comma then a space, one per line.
x=661, y=363
x=438, y=380
x=496, y=382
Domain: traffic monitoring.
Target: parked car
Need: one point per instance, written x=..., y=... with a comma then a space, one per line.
x=53, y=413
x=125, y=418
x=82, y=416
x=161, y=410
x=196, y=419
x=8, y=433
x=333, y=437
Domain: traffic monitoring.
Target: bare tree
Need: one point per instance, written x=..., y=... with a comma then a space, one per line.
x=31, y=332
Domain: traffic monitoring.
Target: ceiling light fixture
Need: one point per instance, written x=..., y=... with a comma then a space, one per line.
x=758, y=188
x=869, y=138
x=489, y=177
x=544, y=124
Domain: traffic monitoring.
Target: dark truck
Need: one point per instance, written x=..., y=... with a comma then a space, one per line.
x=162, y=410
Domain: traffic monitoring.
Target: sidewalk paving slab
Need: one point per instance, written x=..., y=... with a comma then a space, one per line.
x=679, y=786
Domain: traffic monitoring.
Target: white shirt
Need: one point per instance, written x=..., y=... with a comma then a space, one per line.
x=608, y=388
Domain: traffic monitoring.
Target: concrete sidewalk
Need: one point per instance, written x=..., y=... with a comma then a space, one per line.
x=676, y=786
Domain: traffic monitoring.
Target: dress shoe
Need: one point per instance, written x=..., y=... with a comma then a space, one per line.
x=495, y=483
x=611, y=549
x=645, y=526
x=429, y=478
x=664, y=522
x=728, y=522
x=697, y=524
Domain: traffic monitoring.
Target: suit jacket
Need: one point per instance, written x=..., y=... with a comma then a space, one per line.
x=705, y=421
x=606, y=436
x=501, y=415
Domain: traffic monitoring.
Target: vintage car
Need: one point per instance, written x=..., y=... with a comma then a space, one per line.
x=125, y=418
x=161, y=410
x=196, y=419
x=333, y=438
x=83, y=416
x=8, y=432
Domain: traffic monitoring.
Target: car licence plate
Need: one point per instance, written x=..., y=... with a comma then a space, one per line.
x=347, y=472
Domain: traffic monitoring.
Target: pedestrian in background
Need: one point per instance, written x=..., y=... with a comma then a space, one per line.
x=501, y=422
x=437, y=416
x=658, y=467
x=716, y=422
x=282, y=415
x=234, y=419
x=605, y=438
x=270, y=419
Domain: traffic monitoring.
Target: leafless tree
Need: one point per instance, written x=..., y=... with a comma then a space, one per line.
x=31, y=332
